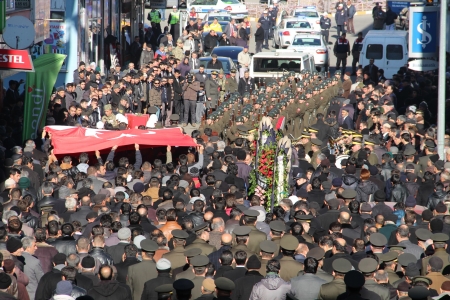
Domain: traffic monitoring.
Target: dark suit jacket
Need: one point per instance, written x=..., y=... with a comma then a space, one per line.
x=349, y=123
x=373, y=73
x=117, y=251
x=327, y=263
x=122, y=268
x=235, y=274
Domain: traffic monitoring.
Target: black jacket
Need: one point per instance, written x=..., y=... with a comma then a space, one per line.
x=197, y=218
x=122, y=268
x=80, y=215
x=65, y=244
x=110, y=290
x=47, y=284
x=316, y=196
x=103, y=257
x=399, y=193
x=259, y=35
x=149, y=287
x=235, y=274
x=426, y=188
x=245, y=284
x=58, y=205
x=222, y=270
x=210, y=42
x=116, y=251
x=72, y=172
x=435, y=198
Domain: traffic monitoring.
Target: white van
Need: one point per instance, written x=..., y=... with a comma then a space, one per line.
x=389, y=49
x=274, y=64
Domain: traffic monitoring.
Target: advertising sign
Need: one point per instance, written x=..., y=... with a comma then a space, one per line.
x=56, y=41
x=423, y=65
x=397, y=6
x=423, y=31
x=39, y=85
x=15, y=60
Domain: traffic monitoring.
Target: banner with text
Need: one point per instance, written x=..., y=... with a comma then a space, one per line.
x=39, y=86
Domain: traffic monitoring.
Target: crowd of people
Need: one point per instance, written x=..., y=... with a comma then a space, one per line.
x=366, y=215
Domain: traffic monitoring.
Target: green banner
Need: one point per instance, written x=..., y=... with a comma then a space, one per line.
x=38, y=89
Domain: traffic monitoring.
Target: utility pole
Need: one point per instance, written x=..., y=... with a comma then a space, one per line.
x=442, y=78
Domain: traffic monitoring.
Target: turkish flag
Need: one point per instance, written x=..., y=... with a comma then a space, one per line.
x=68, y=139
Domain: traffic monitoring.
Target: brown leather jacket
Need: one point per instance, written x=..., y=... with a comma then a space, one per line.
x=168, y=227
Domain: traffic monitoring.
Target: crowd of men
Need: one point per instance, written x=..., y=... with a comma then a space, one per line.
x=366, y=214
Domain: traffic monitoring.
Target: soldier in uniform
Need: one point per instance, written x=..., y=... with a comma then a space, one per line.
x=389, y=259
x=201, y=240
x=183, y=288
x=439, y=242
x=305, y=140
x=199, y=263
x=109, y=117
x=368, y=266
x=277, y=229
x=319, y=254
x=289, y=266
x=231, y=85
x=224, y=288
x=176, y=256
x=268, y=249
x=221, y=82
x=331, y=290
x=255, y=236
x=241, y=234
x=186, y=271
x=212, y=91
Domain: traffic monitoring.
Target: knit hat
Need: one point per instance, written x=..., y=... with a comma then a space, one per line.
x=13, y=244
x=5, y=281
x=88, y=262
x=410, y=201
x=64, y=288
x=138, y=187
x=24, y=182
x=253, y=263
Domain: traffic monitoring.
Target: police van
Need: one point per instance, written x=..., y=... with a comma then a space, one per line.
x=389, y=49
x=265, y=65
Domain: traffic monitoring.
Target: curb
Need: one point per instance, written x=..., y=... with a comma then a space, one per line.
x=358, y=13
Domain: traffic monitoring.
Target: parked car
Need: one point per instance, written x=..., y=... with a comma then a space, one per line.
x=315, y=45
x=286, y=30
x=228, y=51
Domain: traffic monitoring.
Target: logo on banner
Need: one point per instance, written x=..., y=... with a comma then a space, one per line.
x=422, y=29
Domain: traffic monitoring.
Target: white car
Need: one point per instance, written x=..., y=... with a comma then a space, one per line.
x=310, y=13
x=203, y=7
x=285, y=31
x=315, y=45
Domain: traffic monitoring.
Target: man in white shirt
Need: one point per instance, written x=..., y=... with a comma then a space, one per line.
x=244, y=61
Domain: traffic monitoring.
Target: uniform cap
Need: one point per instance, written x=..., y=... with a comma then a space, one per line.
x=277, y=226
x=348, y=194
x=242, y=230
x=268, y=246
x=148, y=245
x=378, y=239
x=165, y=288
x=439, y=237
x=153, y=110
x=192, y=252
x=224, y=284
x=174, y=117
x=179, y=234
x=199, y=261
x=422, y=279
x=354, y=279
x=368, y=265
x=316, y=142
x=317, y=253
x=289, y=242
x=406, y=258
x=409, y=150
x=107, y=107
x=388, y=256
x=341, y=265
x=183, y=285
x=423, y=234
x=251, y=213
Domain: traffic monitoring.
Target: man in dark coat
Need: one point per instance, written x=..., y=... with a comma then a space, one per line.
x=109, y=289
x=116, y=251
x=240, y=258
x=129, y=259
x=372, y=70
x=244, y=285
x=163, y=267
x=323, y=130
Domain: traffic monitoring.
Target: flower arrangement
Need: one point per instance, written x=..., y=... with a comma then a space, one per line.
x=271, y=166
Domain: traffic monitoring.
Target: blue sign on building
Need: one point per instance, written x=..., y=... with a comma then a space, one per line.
x=423, y=31
x=398, y=6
